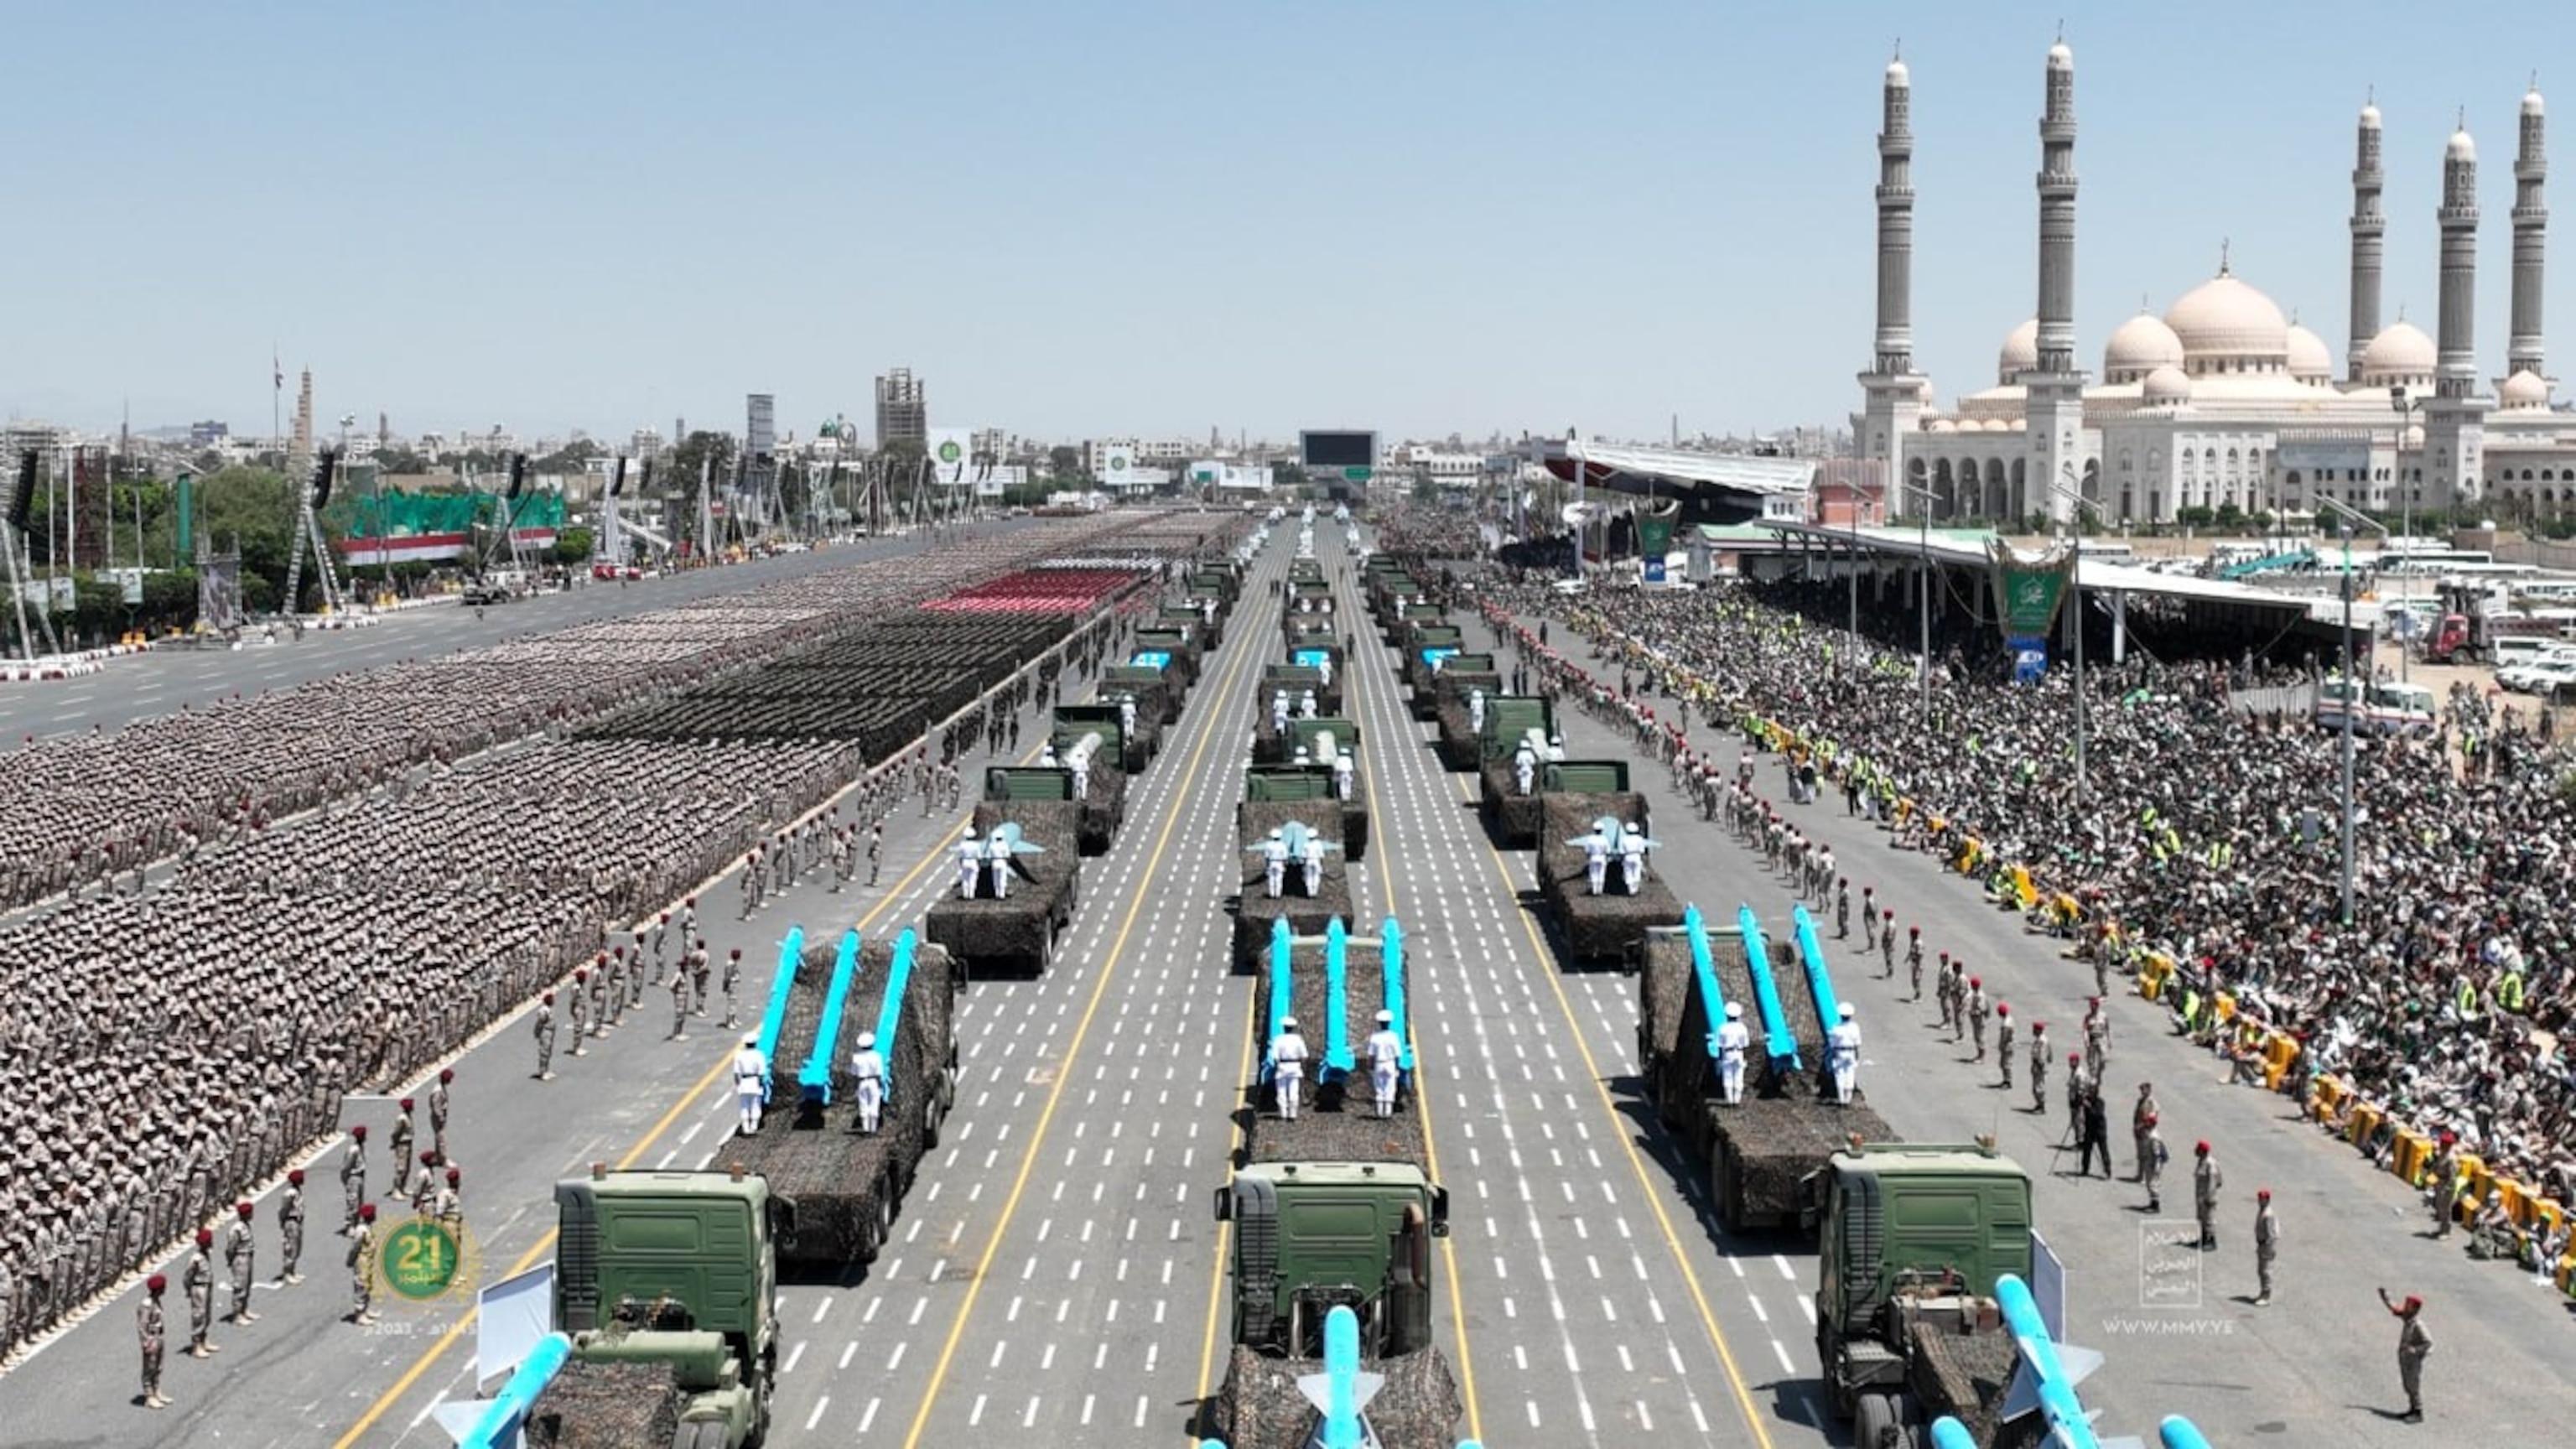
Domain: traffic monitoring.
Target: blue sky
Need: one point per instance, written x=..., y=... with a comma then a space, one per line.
x=1112, y=217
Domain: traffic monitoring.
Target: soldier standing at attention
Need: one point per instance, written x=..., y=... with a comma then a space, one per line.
x=1977, y=1014
x=868, y=1065
x=449, y=1205
x=290, y=1227
x=353, y=1176
x=876, y=851
x=750, y=1084
x=2206, y=1180
x=2039, y=1066
x=545, y=1033
x=2267, y=1246
x=362, y=1267
x=438, y=1111
x=732, y=983
x=398, y=1142
x=2095, y=1134
x=240, y=1255
x=2004, y=1040
x=2142, y=1116
x=2151, y=1164
x=696, y=957
x=1914, y=958
x=1287, y=1066
x=2413, y=1345
x=199, y=1280
x=679, y=985
x=1385, y=1058
x=149, y=1327
x=579, y=1007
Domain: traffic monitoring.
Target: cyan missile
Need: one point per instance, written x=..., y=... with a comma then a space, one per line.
x=2178, y=1432
x=1949, y=1433
x=1341, y=1393
x=496, y=1422
x=2048, y=1373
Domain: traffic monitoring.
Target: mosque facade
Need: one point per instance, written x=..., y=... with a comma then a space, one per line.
x=2223, y=401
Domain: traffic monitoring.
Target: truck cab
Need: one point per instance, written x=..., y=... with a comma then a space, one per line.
x=1909, y=1235
x=1313, y=1236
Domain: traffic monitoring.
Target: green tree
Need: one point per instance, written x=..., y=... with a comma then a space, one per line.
x=574, y=546
x=1064, y=463
x=254, y=510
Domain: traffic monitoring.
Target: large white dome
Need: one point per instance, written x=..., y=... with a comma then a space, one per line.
x=2020, y=353
x=2140, y=346
x=2400, y=353
x=2223, y=318
x=2166, y=385
x=2310, y=359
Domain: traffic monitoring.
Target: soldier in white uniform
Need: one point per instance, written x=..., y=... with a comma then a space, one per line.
x=1732, y=1042
x=1556, y=749
x=1343, y=774
x=1127, y=716
x=970, y=864
x=1385, y=1056
x=1082, y=774
x=1274, y=863
x=997, y=853
x=1632, y=862
x=868, y=1066
x=750, y=1083
x=1525, y=768
x=1476, y=710
x=1324, y=664
x=1314, y=866
x=1596, y=862
x=1306, y=704
x=1046, y=756
x=1842, y=1054
x=1287, y=1067
x=1278, y=711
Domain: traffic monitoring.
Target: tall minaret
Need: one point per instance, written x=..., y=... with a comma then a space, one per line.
x=1893, y=392
x=2368, y=226
x=2054, y=390
x=2455, y=417
x=2522, y=351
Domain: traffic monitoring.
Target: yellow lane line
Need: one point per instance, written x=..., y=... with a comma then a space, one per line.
x=1225, y=1229
x=546, y=1243
x=1073, y=1053
x=1636, y=1163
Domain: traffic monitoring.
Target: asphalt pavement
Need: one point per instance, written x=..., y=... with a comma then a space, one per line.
x=2179, y=1326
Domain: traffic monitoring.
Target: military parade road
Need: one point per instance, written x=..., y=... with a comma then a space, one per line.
x=1056, y=1270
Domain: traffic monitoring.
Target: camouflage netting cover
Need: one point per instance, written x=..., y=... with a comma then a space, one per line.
x=1259, y=1406
x=844, y=1184
x=1334, y=1125
x=1664, y=979
x=609, y=1406
x=1512, y=816
x=1104, y=807
x=1158, y=699
x=1784, y=1131
x=1021, y=927
x=1460, y=749
x=1306, y=915
x=1966, y=1376
x=1597, y=927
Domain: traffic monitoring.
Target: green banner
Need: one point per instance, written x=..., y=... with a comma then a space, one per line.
x=2029, y=590
x=397, y=514
x=1654, y=535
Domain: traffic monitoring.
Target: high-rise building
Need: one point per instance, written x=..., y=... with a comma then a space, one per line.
x=903, y=409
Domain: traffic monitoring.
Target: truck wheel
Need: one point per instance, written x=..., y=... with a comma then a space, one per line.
x=699, y=1434
x=1877, y=1425
x=930, y=1123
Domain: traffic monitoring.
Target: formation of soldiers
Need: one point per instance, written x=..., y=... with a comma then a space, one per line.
x=165, y=1050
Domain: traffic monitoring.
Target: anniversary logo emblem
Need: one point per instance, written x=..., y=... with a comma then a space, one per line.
x=949, y=452
x=426, y=1261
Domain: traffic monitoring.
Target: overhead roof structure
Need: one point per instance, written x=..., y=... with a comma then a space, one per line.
x=2092, y=575
x=1739, y=479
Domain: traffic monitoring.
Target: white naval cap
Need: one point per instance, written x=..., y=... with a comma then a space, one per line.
x=1287, y=1023
x=1386, y=1018
x=1847, y=1011
x=1734, y=1010
x=867, y=1040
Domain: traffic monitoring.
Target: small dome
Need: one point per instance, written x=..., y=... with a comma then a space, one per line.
x=2223, y=317
x=2166, y=385
x=2310, y=359
x=2531, y=103
x=2140, y=346
x=1943, y=425
x=2462, y=148
x=1995, y=425
x=2017, y=425
x=1898, y=78
x=2399, y=352
x=2060, y=58
x=2020, y=353
x=2524, y=390
x=2370, y=118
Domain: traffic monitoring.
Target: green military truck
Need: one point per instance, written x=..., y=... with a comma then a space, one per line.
x=1912, y=1239
x=1313, y=781
x=1453, y=687
x=1101, y=807
x=667, y=1285
x=1512, y=722
x=1126, y=749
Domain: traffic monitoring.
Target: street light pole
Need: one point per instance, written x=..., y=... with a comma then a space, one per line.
x=2353, y=695
x=2406, y=503
x=1922, y=587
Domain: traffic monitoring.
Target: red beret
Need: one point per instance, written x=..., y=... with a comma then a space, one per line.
x=2263, y=1194
x=242, y=1208
x=447, y=1074
x=406, y=1104
x=157, y=1284
x=2201, y=1147
x=1976, y=981
x=359, y=1131
x=205, y=1237
x=296, y=1177
x=454, y=1177
x=367, y=1211
x=2003, y=1008
x=550, y=998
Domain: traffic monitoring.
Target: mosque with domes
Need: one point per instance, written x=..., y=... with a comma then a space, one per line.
x=2223, y=400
